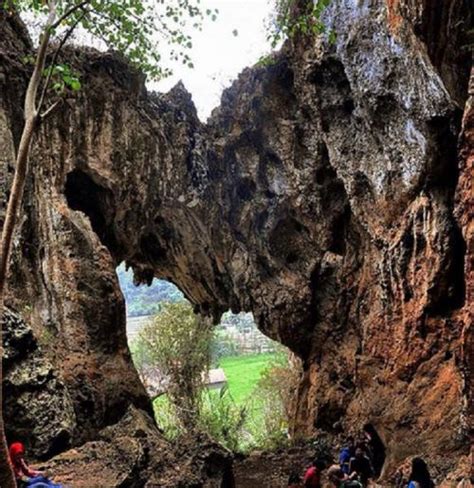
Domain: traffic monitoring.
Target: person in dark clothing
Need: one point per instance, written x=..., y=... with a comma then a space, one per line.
x=377, y=449
x=312, y=477
x=339, y=479
x=360, y=466
x=419, y=476
x=347, y=452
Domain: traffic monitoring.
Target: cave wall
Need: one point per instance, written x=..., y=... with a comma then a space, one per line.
x=320, y=196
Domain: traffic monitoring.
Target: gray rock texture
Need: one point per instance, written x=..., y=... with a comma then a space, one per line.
x=35, y=397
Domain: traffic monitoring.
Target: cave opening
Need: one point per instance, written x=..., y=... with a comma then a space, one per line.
x=236, y=335
x=241, y=357
x=94, y=200
x=376, y=447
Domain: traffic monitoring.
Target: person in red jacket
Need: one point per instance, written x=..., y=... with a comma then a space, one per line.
x=24, y=475
x=17, y=459
x=312, y=477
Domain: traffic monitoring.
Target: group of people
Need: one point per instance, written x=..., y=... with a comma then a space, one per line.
x=26, y=477
x=358, y=463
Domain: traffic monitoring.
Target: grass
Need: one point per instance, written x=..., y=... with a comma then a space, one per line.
x=243, y=373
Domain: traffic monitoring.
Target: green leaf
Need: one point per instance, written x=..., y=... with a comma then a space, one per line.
x=75, y=85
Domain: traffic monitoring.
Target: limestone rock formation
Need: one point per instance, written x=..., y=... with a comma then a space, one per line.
x=132, y=453
x=320, y=196
x=34, y=396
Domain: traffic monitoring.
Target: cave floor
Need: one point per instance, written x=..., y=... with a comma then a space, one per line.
x=272, y=469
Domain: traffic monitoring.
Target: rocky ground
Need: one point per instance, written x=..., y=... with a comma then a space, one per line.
x=272, y=469
x=133, y=454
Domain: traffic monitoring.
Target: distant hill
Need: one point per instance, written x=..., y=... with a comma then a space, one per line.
x=236, y=334
x=145, y=300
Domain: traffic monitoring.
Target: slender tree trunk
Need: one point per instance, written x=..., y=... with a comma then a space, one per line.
x=7, y=478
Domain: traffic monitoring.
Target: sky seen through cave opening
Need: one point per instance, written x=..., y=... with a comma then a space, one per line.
x=218, y=54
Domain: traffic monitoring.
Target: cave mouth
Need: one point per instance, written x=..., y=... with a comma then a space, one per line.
x=144, y=301
x=94, y=200
x=241, y=358
x=377, y=448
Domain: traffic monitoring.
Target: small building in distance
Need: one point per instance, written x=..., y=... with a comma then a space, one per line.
x=156, y=384
x=216, y=379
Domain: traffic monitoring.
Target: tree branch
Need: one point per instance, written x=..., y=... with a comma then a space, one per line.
x=50, y=109
x=30, y=98
x=69, y=13
x=55, y=58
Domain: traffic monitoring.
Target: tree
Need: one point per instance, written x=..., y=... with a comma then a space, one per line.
x=295, y=20
x=296, y=17
x=178, y=344
x=130, y=27
x=277, y=395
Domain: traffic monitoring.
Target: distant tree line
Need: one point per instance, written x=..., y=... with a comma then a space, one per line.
x=146, y=300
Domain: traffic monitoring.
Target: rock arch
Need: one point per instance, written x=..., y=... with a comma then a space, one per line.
x=292, y=202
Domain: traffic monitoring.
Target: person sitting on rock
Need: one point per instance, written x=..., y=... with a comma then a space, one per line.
x=339, y=479
x=312, y=477
x=347, y=452
x=26, y=476
x=419, y=476
x=360, y=466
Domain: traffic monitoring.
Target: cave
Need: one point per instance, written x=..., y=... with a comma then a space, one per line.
x=377, y=448
x=328, y=195
x=85, y=195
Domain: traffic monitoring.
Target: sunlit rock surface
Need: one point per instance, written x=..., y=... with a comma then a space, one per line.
x=320, y=196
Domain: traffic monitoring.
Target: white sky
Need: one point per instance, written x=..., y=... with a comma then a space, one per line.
x=217, y=54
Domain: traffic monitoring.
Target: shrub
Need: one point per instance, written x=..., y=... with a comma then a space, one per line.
x=177, y=343
x=221, y=418
x=275, y=399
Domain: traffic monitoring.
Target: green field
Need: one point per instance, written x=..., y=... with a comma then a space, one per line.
x=243, y=373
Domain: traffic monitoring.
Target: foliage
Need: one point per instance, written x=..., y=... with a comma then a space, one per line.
x=178, y=344
x=221, y=418
x=134, y=28
x=251, y=412
x=280, y=380
x=296, y=17
x=277, y=389
x=141, y=358
x=167, y=418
